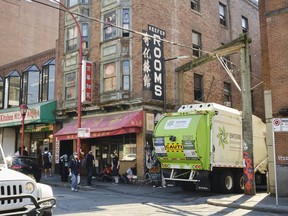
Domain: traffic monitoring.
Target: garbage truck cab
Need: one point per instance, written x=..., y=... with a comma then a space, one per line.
x=201, y=147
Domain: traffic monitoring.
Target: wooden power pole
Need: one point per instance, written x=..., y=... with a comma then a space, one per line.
x=240, y=44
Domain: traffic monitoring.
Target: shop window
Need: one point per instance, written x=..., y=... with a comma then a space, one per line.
x=71, y=39
x=70, y=86
x=244, y=22
x=31, y=77
x=227, y=94
x=126, y=22
x=109, y=31
x=12, y=89
x=222, y=14
x=195, y=5
x=126, y=75
x=48, y=79
x=110, y=78
x=71, y=3
x=1, y=92
x=196, y=43
x=198, y=87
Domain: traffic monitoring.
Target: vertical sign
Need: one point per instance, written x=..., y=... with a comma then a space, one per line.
x=86, y=91
x=153, y=69
x=57, y=150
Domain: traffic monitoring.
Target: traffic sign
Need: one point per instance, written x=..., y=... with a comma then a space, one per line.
x=83, y=132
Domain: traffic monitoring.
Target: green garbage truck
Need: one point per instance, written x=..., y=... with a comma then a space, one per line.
x=200, y=147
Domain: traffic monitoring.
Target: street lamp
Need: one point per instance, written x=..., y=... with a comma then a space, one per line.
x=23, y=111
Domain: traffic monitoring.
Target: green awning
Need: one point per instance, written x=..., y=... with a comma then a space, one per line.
x=36, y=113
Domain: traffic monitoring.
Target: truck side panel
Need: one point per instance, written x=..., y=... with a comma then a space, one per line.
x=226, y=141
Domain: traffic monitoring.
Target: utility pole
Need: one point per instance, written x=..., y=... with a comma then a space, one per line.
x=240, y=44
x=249, y=175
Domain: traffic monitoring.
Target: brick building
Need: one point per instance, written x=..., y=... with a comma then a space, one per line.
x=26, y=29
x=274, y=44
x=29, y=81
x=127, y=98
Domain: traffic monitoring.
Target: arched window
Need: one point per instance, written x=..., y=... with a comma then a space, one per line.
x=12, y=86
x=48, y=80
x=31, y=84
x=1, y=92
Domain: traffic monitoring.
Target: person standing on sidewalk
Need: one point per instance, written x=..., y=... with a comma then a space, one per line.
x=115, y=167
x=90, y=164
x=47, y=162
x=74, y=169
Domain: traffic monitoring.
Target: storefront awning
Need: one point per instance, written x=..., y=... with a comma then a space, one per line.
x=104, y=125
x=36, y=113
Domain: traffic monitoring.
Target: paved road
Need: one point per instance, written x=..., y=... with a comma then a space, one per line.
x=111, y=199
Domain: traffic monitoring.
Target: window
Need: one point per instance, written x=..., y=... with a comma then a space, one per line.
x=196, y=43
x=110, y=78
x=71, y=3
x=70, y=86
x=85, y=35
x=1, y=92
x=85, y=11
x=12, y=85
x=195, y=5
x=227, y=94
x=126, y=22
x=198, y=91
x=71, y=41
x=244, y=24
x=31, y=77
x=222, y=14
x=126, y=75
x=85, y=1
x=128, y=150
x=48, y=79
x=109, y=31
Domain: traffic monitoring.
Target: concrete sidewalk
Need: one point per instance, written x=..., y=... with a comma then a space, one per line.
x=260, y=202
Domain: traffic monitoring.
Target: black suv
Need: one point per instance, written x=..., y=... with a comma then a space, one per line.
x=27, y=165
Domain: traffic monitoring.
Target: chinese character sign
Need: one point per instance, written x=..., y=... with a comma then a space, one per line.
x=86, y=90
x=153, y=62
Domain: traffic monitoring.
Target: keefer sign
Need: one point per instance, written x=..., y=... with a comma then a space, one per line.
x=153, y=62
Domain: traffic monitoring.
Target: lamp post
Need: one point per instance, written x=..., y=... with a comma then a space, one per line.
x=79, y=71
x=23, y=111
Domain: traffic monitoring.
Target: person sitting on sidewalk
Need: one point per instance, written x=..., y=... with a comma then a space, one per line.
x=107, y=174
x=131, y=174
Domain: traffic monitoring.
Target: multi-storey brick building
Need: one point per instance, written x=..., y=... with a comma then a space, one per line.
x=26, y=29
x=274, y=45
x=129, y=88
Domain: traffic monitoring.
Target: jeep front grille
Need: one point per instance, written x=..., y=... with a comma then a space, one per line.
x=9, y=190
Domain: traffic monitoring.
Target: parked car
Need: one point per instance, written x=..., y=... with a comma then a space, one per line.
x=27, y=165
x=129, y=157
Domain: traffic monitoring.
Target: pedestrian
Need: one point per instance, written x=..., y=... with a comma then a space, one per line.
x=74, y=169
x=47, y=158
x=90, y=164
x=115, y=167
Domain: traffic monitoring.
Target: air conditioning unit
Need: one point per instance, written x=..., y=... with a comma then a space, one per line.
x=227, y=103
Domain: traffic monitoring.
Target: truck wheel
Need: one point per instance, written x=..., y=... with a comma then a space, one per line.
x=188, y=186
x=226, y=182
x=239, y=182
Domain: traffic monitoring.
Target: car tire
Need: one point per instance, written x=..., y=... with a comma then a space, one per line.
x=48, y=213
x=239, y=182
x=226, y=182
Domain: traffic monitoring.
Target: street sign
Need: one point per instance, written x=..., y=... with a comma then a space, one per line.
x=83, y=132
x=280, y=124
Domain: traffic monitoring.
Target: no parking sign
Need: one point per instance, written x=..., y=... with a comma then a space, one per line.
x=280, y=124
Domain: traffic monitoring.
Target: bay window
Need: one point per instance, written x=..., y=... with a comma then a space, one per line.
x=31, y=77
x=12, y=85
x=48, y=80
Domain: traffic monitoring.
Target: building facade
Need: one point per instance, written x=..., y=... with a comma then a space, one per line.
x=132, y=48
x=28, y=81
x=26, y=29
x=274, y=44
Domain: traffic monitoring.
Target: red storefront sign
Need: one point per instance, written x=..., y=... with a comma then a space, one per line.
x=86, y=93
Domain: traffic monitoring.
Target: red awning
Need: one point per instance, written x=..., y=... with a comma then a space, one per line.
x=104, y=125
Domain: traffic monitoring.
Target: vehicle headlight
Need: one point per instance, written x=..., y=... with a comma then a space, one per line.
x=29, y=188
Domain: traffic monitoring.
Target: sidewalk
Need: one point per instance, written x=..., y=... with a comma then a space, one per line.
x=260, y=202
